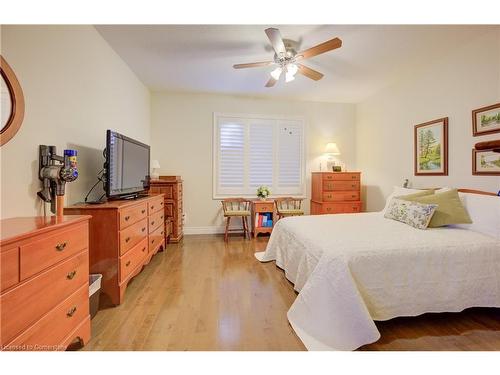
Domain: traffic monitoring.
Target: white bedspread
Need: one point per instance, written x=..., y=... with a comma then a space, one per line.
x=353, y=269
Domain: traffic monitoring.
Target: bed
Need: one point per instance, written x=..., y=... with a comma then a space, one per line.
x=353, y=269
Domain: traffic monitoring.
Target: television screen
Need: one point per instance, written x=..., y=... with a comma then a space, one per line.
x=127, y=165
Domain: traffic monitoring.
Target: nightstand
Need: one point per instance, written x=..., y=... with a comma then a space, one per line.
x=262, y=212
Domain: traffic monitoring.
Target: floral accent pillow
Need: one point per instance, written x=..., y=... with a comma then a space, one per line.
x=417, y=215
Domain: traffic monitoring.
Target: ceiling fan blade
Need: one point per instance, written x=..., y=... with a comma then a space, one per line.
x=274, y=36
x=253, y=65
x=309, y=73
x=271, y=82
x=320, y=48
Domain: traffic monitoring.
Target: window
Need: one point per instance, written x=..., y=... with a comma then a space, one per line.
x=250, y=151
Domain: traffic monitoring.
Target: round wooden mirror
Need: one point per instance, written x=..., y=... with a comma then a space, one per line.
x=11, y=103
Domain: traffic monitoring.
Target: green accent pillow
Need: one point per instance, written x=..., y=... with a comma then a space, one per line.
x=450, y=208
x=416, y=195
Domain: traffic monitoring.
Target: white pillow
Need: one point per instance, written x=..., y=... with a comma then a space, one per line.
x=397, y=192
x=484, y=211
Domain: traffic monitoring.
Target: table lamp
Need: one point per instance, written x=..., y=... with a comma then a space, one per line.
x=331, y=150
x=155, y=165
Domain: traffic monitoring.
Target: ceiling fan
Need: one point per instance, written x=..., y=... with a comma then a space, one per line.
x=288, y=59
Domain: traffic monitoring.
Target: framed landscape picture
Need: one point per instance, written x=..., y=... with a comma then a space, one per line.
x=431, y=148
x=486, y=120
x=485, y=162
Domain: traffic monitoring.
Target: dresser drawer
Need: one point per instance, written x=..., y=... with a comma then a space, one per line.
x=341, y=208
x=25, y=304
x=53, y=327
x=40, y=254
x=340, y=185
x=132, y=235
x=156, y=221
x=131, y=215
x=155, y=205
x=156, y=238
x=264, y=207
x=341, y=176
x=341, y=196
x=133, y=259
x=351, y=208
x=9, y=268
x=332, y=208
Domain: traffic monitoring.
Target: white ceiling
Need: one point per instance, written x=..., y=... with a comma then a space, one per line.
x=199, y=58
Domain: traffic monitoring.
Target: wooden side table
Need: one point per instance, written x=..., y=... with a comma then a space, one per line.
x=260, y=208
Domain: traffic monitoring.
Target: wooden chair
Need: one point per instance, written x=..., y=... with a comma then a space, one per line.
x=288, y=206
x=236, y=207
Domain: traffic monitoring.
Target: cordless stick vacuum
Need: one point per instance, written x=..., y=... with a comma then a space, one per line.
x=54, y=172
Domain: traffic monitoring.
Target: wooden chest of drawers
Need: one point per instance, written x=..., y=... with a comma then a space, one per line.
x=336, y=192
x=124, y=236
x=44, y=298
x=171, y=188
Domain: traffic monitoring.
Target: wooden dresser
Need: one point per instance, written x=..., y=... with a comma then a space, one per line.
x=124, y=236
x=171, y=188
x=44, y=284
x=335, y=193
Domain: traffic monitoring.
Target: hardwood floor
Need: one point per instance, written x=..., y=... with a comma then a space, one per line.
x=203, y=294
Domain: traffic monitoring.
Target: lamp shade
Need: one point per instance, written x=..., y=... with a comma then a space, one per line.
x=155, y=164
x=332, y=149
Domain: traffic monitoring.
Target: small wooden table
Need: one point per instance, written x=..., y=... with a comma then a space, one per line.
x=262, y=208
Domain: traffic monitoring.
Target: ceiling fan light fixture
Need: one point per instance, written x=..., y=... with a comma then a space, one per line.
x=289, y=77
x=292, y=69
x=276, y=73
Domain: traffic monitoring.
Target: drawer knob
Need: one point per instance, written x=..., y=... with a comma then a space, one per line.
x=152, y=223
x=71, y=312
x=161, y=217
x=152, y=207
x=127, y=218
x=143, y=211
x=353, y=196
x=61, y=246
x=143, y=249
x=152, y=241
x=353, y=186
x=143, y=229
x=127, y=264
x=162, y=233
x=71, y=275
x=127, y=239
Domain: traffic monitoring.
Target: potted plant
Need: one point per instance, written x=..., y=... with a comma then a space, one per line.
x=263, y=192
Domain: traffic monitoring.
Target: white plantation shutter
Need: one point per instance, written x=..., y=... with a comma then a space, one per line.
x=290, y=155
x=258, y=150
x=261, y=153
x=231, y=154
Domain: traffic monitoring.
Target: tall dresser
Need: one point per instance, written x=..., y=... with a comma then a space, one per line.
x=171, y=188
x=124, y=236
x=336, y=193
x=44, y=269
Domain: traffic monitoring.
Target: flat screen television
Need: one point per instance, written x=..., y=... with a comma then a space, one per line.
x=127, y=166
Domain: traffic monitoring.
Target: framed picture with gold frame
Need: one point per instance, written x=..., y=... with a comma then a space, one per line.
x=431, y=148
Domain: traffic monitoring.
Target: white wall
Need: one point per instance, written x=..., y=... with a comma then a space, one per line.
x=75, y=87
x=181, y=139
x=468, y=78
